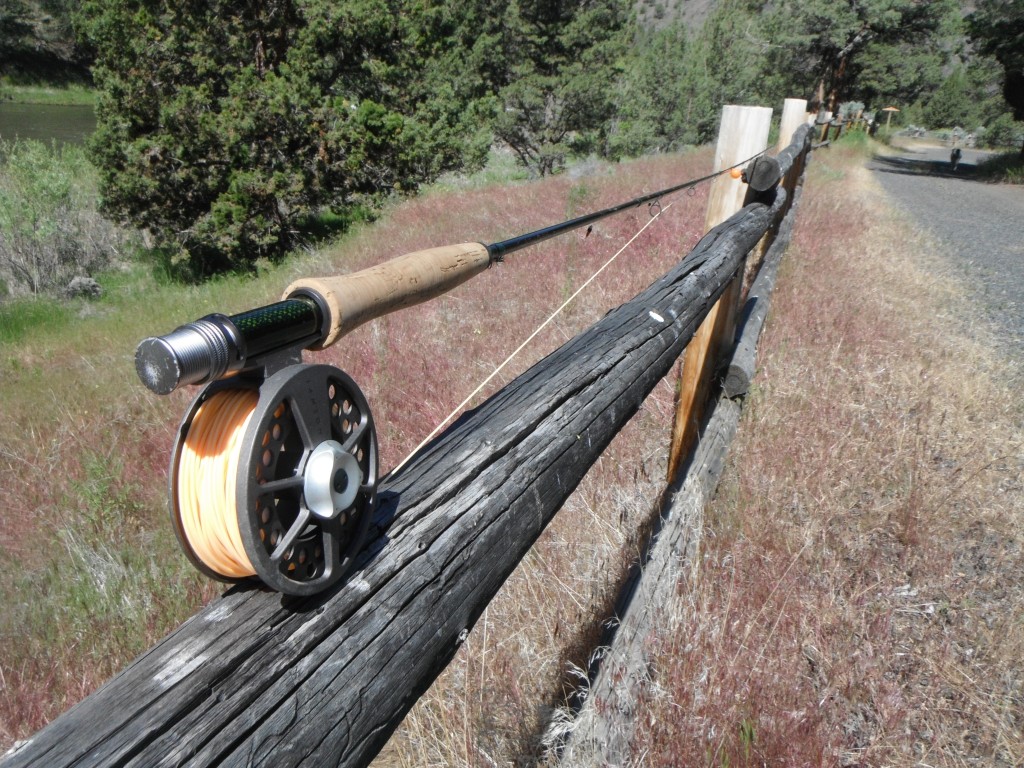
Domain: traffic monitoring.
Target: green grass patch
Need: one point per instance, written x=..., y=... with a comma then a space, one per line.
x=56, y=95
x=330, y=225
x=20, y=316
x=858, y=141
x=501, y=168
x=111, y=586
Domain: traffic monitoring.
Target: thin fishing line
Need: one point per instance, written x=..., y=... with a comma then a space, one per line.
x=530, y=338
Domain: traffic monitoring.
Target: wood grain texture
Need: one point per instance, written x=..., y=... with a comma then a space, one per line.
x=743, y=133
x=762, y=174
x=794, y=114
x=743, y=361
x=257, y=679
x=792, y=159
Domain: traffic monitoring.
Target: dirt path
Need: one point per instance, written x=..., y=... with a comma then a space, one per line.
x=982, y=224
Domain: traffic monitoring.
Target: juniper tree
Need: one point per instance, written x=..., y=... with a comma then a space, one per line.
x=997, y=27
x=223, y=125
x=562, y=58
x=819, y=47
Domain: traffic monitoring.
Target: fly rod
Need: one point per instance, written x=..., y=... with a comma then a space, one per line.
x=274, y=468
x=315, y=312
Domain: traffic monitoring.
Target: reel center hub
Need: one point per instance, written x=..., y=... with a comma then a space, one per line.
x=331, y=480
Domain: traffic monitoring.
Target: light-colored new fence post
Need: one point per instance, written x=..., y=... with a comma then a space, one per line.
x=794, y=114
x=742, y=134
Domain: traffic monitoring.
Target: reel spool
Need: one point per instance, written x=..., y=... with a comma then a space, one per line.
x=275, y=479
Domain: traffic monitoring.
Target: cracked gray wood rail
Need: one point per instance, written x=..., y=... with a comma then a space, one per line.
x=258, y=679
x=621, y=671
x=742, y=364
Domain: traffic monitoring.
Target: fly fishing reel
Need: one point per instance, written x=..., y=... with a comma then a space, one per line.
x=274, y=469
x=275, y=479
x=273, y=472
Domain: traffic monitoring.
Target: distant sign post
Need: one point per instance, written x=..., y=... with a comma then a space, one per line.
x=888, y=115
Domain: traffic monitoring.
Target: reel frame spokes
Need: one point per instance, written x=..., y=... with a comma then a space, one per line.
x=305, y=484
x=303, y=407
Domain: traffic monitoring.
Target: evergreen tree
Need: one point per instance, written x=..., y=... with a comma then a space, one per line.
x=817, y=46
x=562, y=57
x=650, y=111
x=997, y=26
x=222, y=125
x=984, y=82
x=896, y=73
x=951, y=104
x=454, y=53
x=724, y=65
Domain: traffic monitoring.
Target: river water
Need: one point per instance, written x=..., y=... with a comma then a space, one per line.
x=69, y=124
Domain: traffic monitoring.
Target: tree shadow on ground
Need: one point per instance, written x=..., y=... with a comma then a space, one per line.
x=912, y=167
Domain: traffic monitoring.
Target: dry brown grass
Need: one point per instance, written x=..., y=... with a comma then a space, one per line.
x=860, y=600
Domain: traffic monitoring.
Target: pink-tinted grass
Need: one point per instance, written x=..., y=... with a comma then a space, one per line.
x=423, y=361
x=95, y=574
x=859, y=600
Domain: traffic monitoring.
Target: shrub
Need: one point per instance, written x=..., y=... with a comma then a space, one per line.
x=1004, y=131
x=50, y=231
x=223, y=126
x=1007, y=167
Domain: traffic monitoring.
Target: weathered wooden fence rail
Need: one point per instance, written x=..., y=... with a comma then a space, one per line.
x=259, y=679
x=620, y=672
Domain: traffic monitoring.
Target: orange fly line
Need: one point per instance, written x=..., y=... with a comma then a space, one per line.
x=207, y=475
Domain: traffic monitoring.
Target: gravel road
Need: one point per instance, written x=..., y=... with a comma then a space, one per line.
x=981, y=225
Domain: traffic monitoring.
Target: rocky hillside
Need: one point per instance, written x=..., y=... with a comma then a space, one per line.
x=37, y=43
x=658, y=13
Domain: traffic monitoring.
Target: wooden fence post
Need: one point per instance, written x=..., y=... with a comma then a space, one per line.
x=743, y=133
x=621, y=675
x=794, y=114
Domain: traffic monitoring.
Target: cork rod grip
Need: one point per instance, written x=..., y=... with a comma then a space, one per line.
x=353, y=299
